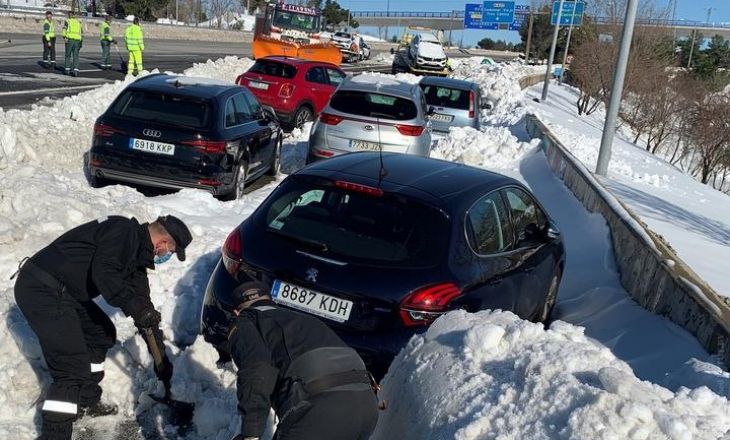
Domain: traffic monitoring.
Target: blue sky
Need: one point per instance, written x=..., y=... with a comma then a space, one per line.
x=686, y=9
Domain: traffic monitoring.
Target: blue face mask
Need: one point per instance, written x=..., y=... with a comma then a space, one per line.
x=159, y=259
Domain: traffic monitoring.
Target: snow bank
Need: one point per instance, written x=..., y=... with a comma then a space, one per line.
x=492, y=375
x=226, y=69
x=494, y=148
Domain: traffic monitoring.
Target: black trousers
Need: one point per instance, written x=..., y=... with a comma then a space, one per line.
x=74, y=337
x=49, y=51
x=336, y=415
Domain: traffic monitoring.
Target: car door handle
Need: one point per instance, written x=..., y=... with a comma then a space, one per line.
x=528, y=269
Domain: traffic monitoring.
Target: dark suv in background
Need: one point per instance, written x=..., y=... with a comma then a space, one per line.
x=180, y=132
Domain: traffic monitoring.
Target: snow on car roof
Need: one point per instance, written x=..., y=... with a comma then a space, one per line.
x=379, y=80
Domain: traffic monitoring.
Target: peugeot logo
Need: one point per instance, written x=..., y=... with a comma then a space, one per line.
x=368, y=128
x=151, y=133
x=312, y=275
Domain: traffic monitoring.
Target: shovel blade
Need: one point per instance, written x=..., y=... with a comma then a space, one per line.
x=182, y=412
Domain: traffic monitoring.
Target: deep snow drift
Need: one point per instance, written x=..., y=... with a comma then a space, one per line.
x=486, y=375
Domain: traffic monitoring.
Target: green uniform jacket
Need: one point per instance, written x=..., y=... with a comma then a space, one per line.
x=49, y=29
x=105, y=32
x=72, y=30
x=134, y=38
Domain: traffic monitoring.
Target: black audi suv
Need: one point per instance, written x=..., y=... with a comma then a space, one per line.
x=379, y=247
x=180, y=132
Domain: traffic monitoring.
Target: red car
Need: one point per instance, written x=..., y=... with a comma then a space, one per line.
x=296, y=89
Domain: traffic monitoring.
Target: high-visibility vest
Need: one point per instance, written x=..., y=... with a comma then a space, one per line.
x=134, y=38
x=49, y=29
x=72, y=29
x=105, y=32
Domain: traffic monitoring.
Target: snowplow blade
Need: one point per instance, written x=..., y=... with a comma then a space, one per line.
x=324, y=52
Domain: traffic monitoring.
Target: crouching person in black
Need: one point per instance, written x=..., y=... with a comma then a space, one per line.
x=318, y=386
x=55, y=290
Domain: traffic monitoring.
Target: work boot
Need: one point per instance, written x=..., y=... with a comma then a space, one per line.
x=75, y=73
x=99, y=409
x=67, y=71
x=56, y=431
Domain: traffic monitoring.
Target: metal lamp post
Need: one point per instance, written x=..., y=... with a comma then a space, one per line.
x=609, y=128
x=552, y=54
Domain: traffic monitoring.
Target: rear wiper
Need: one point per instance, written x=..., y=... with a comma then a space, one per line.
x=308, y=241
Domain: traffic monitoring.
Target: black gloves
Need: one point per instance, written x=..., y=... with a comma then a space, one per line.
x=147, y=318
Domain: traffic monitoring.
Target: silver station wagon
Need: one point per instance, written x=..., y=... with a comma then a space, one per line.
x=372, y=113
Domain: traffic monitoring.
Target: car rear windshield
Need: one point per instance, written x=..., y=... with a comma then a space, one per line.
x=163, y=108
x=446, y=97
x=342, y=34
x=356, y=227
x=374, y=105
x=273, y=68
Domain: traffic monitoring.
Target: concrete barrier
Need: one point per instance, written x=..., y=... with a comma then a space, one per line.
x=650, y=270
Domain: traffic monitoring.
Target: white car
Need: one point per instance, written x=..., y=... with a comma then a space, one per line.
x=426, y=51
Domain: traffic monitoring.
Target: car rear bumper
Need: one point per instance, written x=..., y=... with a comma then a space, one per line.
x=106, y=167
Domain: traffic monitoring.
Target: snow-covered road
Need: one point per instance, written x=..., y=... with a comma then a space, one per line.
x=484, y=375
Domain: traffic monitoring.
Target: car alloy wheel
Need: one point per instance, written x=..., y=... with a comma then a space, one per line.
x=240, y=180
x=276, y=158
x=304, y=114
x=550, y=299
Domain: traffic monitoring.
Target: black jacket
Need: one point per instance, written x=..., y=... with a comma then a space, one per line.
x=278, y=352
x=107, y=257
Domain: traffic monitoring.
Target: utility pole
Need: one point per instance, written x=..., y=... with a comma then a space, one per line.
x=552, y=54
x=609, y=128
x=567, y=44
x=529, y=37
x=691, y=49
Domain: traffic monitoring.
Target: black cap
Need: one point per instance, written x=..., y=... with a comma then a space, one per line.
x=249, y=292
x=178, y=231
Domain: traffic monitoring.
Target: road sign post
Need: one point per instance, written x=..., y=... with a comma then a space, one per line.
x=546, y=84
x=609, y=128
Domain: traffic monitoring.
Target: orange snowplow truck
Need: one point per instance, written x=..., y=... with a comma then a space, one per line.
x=292, y=31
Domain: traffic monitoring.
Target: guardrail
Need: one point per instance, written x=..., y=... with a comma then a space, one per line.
x=650, y=271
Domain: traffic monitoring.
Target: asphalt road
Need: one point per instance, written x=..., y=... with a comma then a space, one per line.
x=23, y=81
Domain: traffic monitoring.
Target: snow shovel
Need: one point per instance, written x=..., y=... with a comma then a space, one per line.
x=121, y=60
x=182, y=412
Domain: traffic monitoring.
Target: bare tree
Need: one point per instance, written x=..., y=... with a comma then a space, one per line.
x=710, y=135
x=220, y=9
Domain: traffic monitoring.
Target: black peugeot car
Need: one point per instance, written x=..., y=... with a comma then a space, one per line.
x=378, y=248
x=180, y=132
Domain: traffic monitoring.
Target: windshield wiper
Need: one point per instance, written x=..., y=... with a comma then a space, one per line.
x=308, y=241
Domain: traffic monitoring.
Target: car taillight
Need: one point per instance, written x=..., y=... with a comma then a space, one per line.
x=206, y=145
x=104, y=130
x=232, y=252
x=424, y=305
x=329, y=119
x=410, y=130
x=239, y=80
x=286, y=90
x=471, y=104
x=369, y=190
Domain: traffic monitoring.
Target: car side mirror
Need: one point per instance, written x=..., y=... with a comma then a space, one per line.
x=268, y=113
x=431, y=110
x=552, y=232
x=532, y=232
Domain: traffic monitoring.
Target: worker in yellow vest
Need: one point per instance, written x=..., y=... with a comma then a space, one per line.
x=73, y=36
x=49, y=41
x=135, y=45
x=105, y=35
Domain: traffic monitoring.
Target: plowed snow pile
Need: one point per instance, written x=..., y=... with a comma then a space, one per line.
x=491, y=375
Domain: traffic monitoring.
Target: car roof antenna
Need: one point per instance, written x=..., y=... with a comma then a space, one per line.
x=382, y=172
